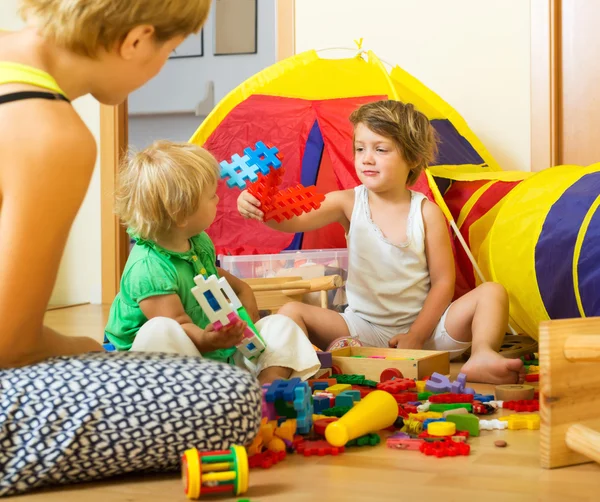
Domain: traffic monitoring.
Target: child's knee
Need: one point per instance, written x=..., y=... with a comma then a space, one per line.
x=494, y=291
x=163, y=334
x=292, y=309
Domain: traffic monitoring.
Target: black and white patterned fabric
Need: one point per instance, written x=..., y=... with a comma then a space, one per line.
x=72, y=419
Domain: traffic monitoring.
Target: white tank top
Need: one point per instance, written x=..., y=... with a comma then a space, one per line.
x=387, y=284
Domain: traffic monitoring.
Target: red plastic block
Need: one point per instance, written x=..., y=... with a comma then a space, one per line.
x=294, y=201
x=265, y=188
x=402, y=412
x=390, y=373
x=405, y=397
x=446, y=448
x=482, y=408
x=451, y=398
x=522, y=405
x=364, y=391
x=321, y=424
x=266, y=459
x=533, y=377
x=396, y=386
x=319, y=448
x=409, y=408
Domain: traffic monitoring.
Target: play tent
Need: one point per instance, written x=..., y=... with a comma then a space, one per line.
x=501, y=231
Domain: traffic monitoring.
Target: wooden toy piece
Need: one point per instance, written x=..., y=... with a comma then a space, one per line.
x=514, y=392
x=413, y=364
x=376, y=411
x=455, y=411
x=215, y=472
x=569, y=358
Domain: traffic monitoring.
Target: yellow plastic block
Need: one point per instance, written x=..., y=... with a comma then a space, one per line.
x=287, y=429
x=441, y=428
x=424, y=415
x=339, y=388
x=420, y=386
x=516, y=422
x=533, y=369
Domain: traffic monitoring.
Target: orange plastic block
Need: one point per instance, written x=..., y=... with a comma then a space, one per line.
x=294, y=201
x=265, y=188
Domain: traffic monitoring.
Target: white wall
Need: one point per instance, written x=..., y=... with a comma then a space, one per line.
x=163, y=107
x=474, y=54
x=80, y=277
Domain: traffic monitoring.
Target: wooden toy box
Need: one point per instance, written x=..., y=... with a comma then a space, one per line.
x=415, y=364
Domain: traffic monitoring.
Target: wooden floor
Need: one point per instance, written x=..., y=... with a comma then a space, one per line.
x=361, y=474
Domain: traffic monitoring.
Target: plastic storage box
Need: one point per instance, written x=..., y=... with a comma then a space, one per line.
x=307, y=264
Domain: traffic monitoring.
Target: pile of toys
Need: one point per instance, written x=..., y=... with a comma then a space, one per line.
x=324, y=416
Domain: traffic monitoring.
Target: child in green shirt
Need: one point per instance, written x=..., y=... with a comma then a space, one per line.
x=167, y=198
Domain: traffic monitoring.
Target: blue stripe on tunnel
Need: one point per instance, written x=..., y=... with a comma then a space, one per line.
x=555, y=248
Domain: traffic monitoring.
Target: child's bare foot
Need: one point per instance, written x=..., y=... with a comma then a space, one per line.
x=491, y=367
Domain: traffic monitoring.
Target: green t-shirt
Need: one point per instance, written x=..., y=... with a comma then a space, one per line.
x=152, y=270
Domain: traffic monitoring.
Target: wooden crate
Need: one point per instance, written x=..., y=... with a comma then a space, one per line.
x=417, y=363
x=569, y=391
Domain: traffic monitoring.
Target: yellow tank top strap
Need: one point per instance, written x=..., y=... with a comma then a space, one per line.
x=13, y=73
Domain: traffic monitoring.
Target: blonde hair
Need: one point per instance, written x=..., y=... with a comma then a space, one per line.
x=161, y=186
x=84, y=26
x=409, y=129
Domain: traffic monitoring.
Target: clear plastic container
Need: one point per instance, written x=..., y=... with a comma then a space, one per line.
x=307, y=264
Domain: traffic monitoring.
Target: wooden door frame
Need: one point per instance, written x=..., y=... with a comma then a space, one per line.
x=545, y=83
x=114, y=126
x=115, y=241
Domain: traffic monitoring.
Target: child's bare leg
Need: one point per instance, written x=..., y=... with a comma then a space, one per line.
x=322, y=326
x=482, y=316
x=273, y=373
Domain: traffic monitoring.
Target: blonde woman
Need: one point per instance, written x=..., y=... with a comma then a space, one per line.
x=68, y=411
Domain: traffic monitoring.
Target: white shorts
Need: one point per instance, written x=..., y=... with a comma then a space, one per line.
x=373, y=335
x=287, y=345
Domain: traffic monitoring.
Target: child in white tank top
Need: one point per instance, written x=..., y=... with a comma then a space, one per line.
x=401, y=267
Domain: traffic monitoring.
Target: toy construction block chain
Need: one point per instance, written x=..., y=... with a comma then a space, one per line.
x=222, y=306
x=262, y=168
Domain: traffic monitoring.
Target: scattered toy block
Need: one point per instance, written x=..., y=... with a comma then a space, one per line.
x=469, y=423
x=517, y=422
x=514, y=392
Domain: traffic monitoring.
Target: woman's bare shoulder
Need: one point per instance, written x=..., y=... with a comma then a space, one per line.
x=45, y=139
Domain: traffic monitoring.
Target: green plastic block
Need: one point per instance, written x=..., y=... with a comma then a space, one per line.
x=370, y=383
x=441, y=407
x=366, y=440
x=424, y=396
x=469, y=423
x=336, y=411
x=285, y=409
x=350, y=379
